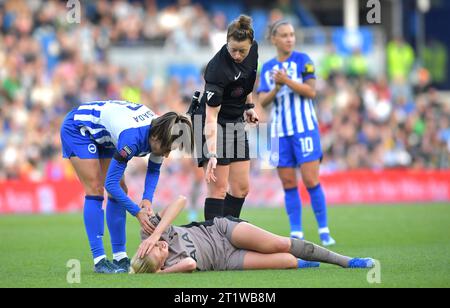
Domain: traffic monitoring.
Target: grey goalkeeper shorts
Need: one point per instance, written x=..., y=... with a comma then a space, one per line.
x=233, y=256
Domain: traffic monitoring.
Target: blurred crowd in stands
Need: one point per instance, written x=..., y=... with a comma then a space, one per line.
x=48, y=66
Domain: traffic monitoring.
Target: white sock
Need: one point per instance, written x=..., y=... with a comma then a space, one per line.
x=119, y=256
x=298, y=234
x=98, y=259
x=324, y=230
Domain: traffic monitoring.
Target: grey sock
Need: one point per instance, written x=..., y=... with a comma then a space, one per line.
x=194, y=196
x=311, y=252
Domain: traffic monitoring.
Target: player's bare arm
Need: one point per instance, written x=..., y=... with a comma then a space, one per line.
x=169, y=215
x=212, y=114
x=266, y=98
x=187, y=265
x=307, y=89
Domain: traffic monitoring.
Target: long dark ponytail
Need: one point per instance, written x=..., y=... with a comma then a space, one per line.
x=173, y=127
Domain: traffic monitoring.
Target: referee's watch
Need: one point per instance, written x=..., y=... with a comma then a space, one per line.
x=211, y=155
x=249, y=106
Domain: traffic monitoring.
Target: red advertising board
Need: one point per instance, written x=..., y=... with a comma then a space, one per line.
x=389, y=186
x=40, y=197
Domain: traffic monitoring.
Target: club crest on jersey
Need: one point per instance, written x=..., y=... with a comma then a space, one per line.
x=237, y=92
x=290, y=72
x=92, y=148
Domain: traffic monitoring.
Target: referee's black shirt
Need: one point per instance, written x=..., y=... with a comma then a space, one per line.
x=228, y=83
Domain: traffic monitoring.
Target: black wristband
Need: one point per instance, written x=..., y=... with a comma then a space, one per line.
x=211, y=155
x=155, y=219
x=249, y=106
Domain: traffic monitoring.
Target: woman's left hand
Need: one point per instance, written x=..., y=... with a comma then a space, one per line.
x=146, y=246
x=251, y=116
x=280, y=77
x=148, y=205
x=210, y=169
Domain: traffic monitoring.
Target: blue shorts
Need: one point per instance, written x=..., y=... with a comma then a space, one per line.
x=75, y=144
x=293, y=151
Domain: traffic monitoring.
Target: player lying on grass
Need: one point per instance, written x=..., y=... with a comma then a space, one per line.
x=225, y=243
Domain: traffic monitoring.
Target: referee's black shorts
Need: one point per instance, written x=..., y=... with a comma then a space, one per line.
x=232, y=145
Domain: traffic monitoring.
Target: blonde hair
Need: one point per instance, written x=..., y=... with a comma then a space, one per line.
x=272, y=29
x=142, y=266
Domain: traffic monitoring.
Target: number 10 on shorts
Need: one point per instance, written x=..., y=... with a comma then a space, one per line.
x=307, y=145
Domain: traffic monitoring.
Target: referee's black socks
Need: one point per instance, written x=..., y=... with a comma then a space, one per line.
x=232, y=206
x=213, y=208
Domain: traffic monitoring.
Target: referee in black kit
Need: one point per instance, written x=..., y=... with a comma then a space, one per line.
x=225, y=106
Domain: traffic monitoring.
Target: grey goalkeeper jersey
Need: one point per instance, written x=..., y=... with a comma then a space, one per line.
x=208, y=243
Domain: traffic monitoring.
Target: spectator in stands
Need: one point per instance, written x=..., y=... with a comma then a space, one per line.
x=44, y=62
x=401, y=58
x=435, y=61
x=332, y=63
x=357, y=65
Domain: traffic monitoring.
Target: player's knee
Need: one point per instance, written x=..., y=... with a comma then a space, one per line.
x=217, y=195
x=310, y=182
x=289, y=183
x=308, y=251
x=291, y=261
x=240, y=191
x=244, y=193
x=281, y=245
x=95, y=189
x=310, y=179
x=218, y=191
x=93, y=182
x=244, y=190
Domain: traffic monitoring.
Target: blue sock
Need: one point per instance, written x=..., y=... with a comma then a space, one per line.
x=319, y=205
x=94, y=222
x=307, y=264
x=116, y=219
x=293, y=209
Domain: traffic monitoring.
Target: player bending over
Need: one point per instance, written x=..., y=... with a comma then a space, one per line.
x=100, y=138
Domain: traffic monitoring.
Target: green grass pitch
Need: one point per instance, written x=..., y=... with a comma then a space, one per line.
x=411, y=242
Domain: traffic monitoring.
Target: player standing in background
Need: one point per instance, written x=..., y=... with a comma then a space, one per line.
x=289, y=82
x=229, y=81
x=100, y=138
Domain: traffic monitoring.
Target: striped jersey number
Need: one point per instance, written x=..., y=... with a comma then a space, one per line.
x=129, y=105
x=307, y=144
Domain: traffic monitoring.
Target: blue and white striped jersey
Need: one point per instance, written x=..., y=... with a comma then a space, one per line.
x=291, y=112
x=117, y=124
x=118, y=127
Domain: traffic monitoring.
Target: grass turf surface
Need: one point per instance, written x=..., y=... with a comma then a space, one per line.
x=412, y=244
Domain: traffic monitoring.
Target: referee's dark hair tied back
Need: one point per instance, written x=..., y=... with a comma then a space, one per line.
x=241, y=29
